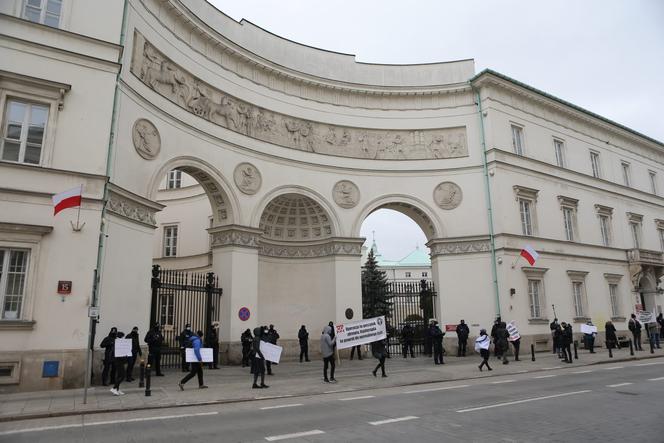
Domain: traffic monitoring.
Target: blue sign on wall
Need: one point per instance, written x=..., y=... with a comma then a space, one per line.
x=50, y=368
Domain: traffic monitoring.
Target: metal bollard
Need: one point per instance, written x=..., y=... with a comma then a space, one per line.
x=148, y=392
x=141, y=374
x=610, y=351
x=631, y=348
x=576, y=347
x=532, y=352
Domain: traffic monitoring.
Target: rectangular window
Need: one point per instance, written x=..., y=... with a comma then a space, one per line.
x=167, y=309
x=661, y=239
x=13, y=273
x=559, y=148
x=568, y=219
x=408, y=274
x=174, y=180
x=577, y=290
x=613, y=296
x=170, y=241
x=626, y=174
x=425, y=274
x=653, y=182
x=534, y=290
x=635, y=229
x=604, y=229
x=526, y=218
x=46, y=12
x=517, y=140
x=23, y=132
x=594, y=163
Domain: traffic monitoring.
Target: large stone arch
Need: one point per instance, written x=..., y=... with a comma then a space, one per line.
x=224, y=202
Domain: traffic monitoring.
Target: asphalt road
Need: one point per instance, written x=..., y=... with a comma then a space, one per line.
x=615, y=402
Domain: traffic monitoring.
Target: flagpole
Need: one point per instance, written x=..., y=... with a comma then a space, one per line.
x=78, y=214
x=517, y=259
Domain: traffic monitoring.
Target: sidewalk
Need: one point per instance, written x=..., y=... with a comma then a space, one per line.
x=233, y=384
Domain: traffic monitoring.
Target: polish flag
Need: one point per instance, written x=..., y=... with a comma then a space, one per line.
x=529, y=254
x=67, y=199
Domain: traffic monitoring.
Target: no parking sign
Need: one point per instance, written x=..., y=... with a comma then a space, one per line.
x=244, y=313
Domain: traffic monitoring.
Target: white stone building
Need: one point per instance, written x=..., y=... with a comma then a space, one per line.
x=294, y=147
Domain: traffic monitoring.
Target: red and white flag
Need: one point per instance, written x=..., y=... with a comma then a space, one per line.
x=67, y=199
x=529, y=254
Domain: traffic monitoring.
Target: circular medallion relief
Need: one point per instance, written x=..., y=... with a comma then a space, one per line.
x=247, y=178
x=349, y=314
x=447, y=195
x=146, y=139
x=346, y=194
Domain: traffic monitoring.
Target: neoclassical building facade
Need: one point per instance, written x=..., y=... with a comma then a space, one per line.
x=294, y=147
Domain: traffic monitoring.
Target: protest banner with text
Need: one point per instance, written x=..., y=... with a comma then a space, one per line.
x=360, y=332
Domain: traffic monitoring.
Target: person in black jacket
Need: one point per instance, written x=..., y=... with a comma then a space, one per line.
x=184, y=342
x=213, y=342
x=303, y=338
x=635, y=326
x=258, y=361
x=108, y=343
x=379, y=351
x=502, y=343
x=272, y=337
x=246, y=339
x=119, y=366
x=155, y=340
x=407, y=335
x=135, y=352
x=554, y=326
x=437, y=338
x=462, y=336
x=567, y=339
x=494, y=338
x=610, y=335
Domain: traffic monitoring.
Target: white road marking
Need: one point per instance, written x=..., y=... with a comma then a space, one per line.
x=523, y=401
x=436, y=389
x=338, y=390
x=110, y=422
x=296, y=435
x=502, y=381
x=546, y=376
x=617, y=385
x=582, y=372
x=392, y=420
x=271, y=397
x=357, y=398
x=652, y=363
x=656, y=379
x=613, y=367
x=292, y=405
x=554, y=367
x=522, y=372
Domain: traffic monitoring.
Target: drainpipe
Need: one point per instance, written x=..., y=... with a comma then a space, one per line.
x=489, y=208
x=102, y=226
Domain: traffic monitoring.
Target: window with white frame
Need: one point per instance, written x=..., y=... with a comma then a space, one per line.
x=46, y=12
x=594, y=164
x=559, y=149
x=626, y=173
x=13, y=280
x=635, y=221
x=425, y=274
x=613, y=282
x=579, y=301
x=526, y=198
x=517, y=140
x=174, y=180
x=170, y=241
x=653, y=181
x=23, y=131
x=660, y=232
x=604, y=215
x=535, y=282
x=569, y=206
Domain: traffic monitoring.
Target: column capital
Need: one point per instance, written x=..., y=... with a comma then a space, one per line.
x=235, y=235
x=459, y=245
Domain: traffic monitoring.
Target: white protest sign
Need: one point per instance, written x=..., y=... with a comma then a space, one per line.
x=646, y=317
x=123, y=347
x=206, y=355
x=271, y=352
x=360, y=332
x=589, y=329
x=482, y=342
x=513, y=331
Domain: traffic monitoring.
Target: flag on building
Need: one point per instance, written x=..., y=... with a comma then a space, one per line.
x=67, y=199
x=529, y=254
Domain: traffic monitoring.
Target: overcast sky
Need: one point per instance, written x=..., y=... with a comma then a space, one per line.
x=604, y=55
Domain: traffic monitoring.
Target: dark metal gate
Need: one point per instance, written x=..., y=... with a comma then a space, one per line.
x=178, y=298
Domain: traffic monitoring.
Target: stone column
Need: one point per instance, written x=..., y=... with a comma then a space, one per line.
x=235, y=261
x=347, y=254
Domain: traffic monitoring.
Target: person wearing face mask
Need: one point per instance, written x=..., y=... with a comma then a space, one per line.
x=108, y=343
x=155, y=340
x=119, y=367
x=213, y=342
x=184, y=342
x=271, y=337
x=246, y=339
x=135, y=352
x=258, y=360
x=327, y=343
x=196, y=366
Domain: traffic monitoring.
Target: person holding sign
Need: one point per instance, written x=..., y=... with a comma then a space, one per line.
x=108, y=344
x=258, y=359
x=196, y=366
x=482, y=346
x=635, y=327
x=122, y=353
x=589, y=333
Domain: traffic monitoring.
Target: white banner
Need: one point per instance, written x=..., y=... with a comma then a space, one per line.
x=207, y=355
x=513, y=331
x=646, y=317
x=271, y=352
x=123, y=347
x=360, y=332
x=588, y=329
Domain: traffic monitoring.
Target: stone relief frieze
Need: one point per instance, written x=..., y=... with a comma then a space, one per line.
x=180, y=87
x=447, y=195
x=310, y=251
x=459, y=247
x=235, y=237
x=131, y=209
x=145, y=136
x=346, y=194
x=247, y=178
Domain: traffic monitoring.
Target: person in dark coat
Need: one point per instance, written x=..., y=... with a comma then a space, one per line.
x=135, y=353
x=567, y=339
x=589, y=339
x=482, y=344
x=517, y=345
x=462, y=331
x=494, y=337
x=610, y=335
x=303, y=338
x=257, y=358
x=155, y=341
x=437, y=338
x=184, y=342
x=635, y=327
x=558, y=340
x=428, y=341
x=246, y=339
x=554, y=326
x=379, y=351
x=196, y=366
x=660, y=322
x=108, y=343
x=502, y=343
x=119, y=365
x=272, y=337
x=327, y=344
x=407, y=336
x=213, y=342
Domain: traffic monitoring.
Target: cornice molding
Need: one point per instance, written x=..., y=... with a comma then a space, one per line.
x=22, y=228
x=235, y=235
x=458, y=245
x=130, y=206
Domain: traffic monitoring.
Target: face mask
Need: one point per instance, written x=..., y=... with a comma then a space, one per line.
x=188, y=328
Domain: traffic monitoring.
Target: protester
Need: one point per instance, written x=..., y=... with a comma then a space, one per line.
x=494, y=337
x=135, y=351
x=272, y=337
x=356, y=349
x=327, y=343
x=303, y=338
x=554, y=327
x=462, y=337
x=566, y=341
x=428, y=341
x=482, y=346
x=589, y=338
x=119, y=365
x=558, y=340
x=654, y=334
x=635, y=327
x=517, y=345
x=437, y=338
x=246, y=339
x=196, y=366
x=379, y=351
x=257, y=359
x=660, y=321
x=155, y=340
x=610, y=335
x=108, y=343
x=184, y=342
x=502, y=343
x=213, y=342
x=407, y=336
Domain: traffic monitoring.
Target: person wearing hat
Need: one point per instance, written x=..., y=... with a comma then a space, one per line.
x=567, y=338
x=212, y=341
x=437, y=337
x=482, y=344
x=135, y=353
x=155, y=341
x=184, y=342
x=462, y=331
x=119, y=365
x=108, y=343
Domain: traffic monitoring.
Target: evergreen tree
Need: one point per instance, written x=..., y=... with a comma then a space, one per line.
x=376, y=291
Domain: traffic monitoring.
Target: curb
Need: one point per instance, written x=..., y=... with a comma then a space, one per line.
x=250, y=399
